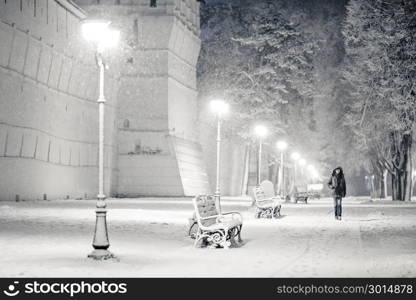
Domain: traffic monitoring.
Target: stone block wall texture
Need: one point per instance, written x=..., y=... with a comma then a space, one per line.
x=48, y=110
x=158, y=135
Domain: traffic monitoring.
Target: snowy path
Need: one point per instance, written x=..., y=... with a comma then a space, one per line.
x=52, y=238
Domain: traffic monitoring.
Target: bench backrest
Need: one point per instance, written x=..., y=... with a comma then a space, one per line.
x=301, y=189
x=268, y=188
x=205, y=206
x=259, y=194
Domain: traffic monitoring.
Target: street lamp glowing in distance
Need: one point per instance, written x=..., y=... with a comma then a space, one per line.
x=302, y=162
x=219, y=107
x=281, y=146
x=295, y=156
x=98, y=32
x=261, y=131
x=313, y=172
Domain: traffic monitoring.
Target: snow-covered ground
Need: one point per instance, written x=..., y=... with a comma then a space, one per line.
x=53, y=238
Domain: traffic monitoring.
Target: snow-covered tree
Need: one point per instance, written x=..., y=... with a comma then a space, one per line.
x=379, y=92
x=255, y=55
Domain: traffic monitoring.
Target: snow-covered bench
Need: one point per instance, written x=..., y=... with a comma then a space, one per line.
x=214, y=229
x=302, y=196
x=266, y=206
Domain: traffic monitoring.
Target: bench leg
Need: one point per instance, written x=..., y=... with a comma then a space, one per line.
x=201, y=237
x=191, y=230
x=198, y=237
x=276, y=211
x=231, y=235
x=224, y=243
x=239, y=234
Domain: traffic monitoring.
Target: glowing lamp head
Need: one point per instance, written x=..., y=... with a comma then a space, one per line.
x=281, y=145
x=295, y=156
x=98, y=32
x=302, y=162
x=315, y=174
x=219, y=107
x=261, y=131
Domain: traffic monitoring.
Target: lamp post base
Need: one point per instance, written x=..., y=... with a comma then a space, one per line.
x=101, y=254
x=100, y=242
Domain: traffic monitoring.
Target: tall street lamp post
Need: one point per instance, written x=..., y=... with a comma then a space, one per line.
x=302, y=163
x=261, y=132
x=281, y=146
x=99, y=33
x=220, y=108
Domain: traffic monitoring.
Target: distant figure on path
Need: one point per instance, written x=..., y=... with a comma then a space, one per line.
x=339, y=189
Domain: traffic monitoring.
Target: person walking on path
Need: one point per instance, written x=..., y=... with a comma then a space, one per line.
x=337, y=184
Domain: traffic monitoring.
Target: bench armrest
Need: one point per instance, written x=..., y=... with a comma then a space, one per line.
x=200, y=219
x=268, y=202
x=234, y=215
x=210, y=217
x=278, y=199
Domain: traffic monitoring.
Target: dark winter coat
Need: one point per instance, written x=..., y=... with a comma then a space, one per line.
x=337, y=183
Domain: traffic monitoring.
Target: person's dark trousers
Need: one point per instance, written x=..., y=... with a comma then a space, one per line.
x=338, y=206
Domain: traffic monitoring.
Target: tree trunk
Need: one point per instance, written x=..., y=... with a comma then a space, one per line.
x=395, y=194
x=402, y=162
x=385, y=194
x=409, y=176
x=381, y=183
x=378, y=185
